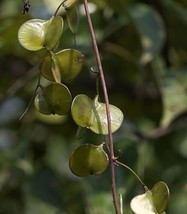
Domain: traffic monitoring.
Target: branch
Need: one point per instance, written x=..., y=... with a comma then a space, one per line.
x=103, y=83
x=19, y=84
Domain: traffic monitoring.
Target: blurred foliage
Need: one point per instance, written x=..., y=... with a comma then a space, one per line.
x=144, y=53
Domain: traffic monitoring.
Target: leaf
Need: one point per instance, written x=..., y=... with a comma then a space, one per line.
x=176, y=21
x=173, y=86
x=36, y=34
x=42, y=187
x=152, y=38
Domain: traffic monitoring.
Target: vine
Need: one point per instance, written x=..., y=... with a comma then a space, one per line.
x=103, y=82
x=101, y=118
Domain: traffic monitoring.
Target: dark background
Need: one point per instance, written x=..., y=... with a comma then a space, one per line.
x=143, y=46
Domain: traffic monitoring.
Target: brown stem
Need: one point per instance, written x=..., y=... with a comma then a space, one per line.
x=103, y=83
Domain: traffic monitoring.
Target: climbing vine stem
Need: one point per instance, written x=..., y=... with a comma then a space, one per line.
x=133, y=172
x=103, y=83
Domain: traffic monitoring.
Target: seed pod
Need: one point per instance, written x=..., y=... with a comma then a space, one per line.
x=70, y=62
x=92, y=114
x=53, y=99
x=36, y=34
x=87, y=160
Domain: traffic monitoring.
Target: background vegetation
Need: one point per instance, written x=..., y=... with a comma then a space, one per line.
x=144, y=53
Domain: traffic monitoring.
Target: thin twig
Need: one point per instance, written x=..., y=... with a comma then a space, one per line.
x=133, y=172
x=74, y=41
x=32, y=98
x=61, y=5
x=20, y=83
x=103, y=83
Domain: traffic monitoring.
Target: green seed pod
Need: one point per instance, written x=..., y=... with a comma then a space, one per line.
x=87, y=160
x=53, y=99
x=73, y=20
x=36, y=34
x=69, y=4
x=92, y=114
x=160, y=196
x=153, y=201
x=81, y=110
x=70, y=62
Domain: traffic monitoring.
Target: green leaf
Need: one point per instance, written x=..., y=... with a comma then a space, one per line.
x=36, y=34
x=176, y=21
x=173, y=86
x=70, y=62
x=152, y=38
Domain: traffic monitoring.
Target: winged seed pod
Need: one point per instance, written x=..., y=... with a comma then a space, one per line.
x=88, y=159
x=69, y=62
x=153, y=201
x=53, y=99
x=92, y=114
x=36, y=34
